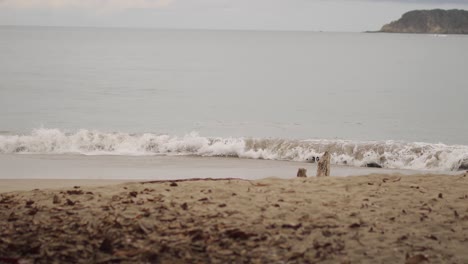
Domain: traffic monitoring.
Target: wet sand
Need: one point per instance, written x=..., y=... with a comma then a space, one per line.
x=360, y=219
x=26, y=166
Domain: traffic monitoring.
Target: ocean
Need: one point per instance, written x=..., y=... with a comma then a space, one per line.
x=395, y=100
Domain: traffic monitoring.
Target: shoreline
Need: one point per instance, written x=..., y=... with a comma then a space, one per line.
x=37, y=166
x=359, y=219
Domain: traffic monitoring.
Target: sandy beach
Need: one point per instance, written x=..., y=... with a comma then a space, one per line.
x=160, y=131
x=358, y=219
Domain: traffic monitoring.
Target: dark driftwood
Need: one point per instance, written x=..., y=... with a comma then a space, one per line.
x=323, y=166
x=302, y=173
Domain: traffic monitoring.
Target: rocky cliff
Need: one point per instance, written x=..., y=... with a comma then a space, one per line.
x=435, y=21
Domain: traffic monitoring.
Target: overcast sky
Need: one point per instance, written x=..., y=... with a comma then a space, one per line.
x=325, y=15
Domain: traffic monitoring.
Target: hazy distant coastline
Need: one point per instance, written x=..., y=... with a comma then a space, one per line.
x=435, y=21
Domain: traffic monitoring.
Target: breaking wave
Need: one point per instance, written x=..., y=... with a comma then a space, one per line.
x=387, y=154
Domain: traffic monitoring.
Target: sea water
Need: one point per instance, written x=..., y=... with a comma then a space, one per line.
x=396, y=100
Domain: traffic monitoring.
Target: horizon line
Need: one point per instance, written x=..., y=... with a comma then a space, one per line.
x=185, y=28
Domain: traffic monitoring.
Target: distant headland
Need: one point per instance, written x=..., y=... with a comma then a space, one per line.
x=435, y=21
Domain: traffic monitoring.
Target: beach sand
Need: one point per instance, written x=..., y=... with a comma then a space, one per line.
x=358, y=219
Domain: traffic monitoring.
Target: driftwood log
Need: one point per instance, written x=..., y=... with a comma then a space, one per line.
x=302, y=173
x=323, y=166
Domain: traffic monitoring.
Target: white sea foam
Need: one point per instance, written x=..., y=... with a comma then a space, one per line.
x=388, y=154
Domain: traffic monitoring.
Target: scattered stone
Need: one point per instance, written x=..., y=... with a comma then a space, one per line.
x=173, y=184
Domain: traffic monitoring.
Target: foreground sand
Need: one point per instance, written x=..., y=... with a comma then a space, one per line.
x=362, y=219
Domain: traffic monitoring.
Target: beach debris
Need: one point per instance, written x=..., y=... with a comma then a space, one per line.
x=373, y=165
x=70, y=202
x=416, y=259
x=33, y=211
x=323, y=166
x=106, y=246
x=238, y=234
x=302, y=173
x=12, y=217
x=326, y=233
x=327, y=249
x=402, y=238
x=75, y=192
x=167, y=218
x=291, y=226
x=56, y=199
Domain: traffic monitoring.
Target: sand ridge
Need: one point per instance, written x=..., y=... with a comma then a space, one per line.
x=361, y=219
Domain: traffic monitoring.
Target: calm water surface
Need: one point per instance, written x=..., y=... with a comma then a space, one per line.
x=235, y=83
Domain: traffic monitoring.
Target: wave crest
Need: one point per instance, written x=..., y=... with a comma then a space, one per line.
x=388, y=154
